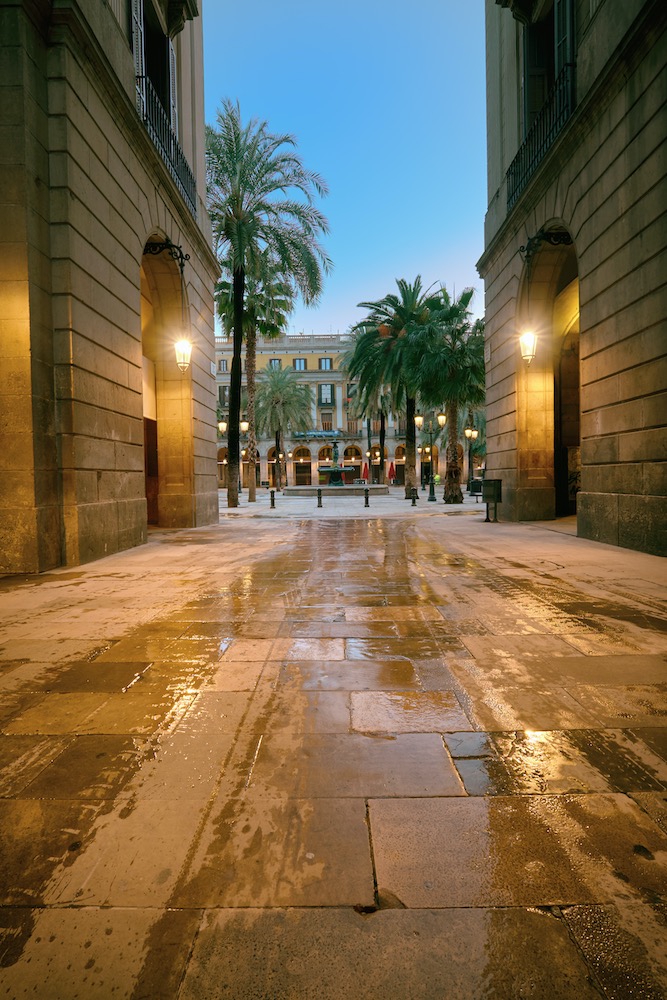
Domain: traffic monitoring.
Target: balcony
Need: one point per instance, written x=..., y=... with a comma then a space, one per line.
x=158, y=126
x=541, y=135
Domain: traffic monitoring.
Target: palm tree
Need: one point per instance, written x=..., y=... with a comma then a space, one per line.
x=451, y=373
x=266, y=309
x=283, y=403
x=387, y=352
x=260, y=200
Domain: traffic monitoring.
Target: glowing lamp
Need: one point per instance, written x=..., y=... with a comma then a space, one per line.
x=183, y=350
x=528, y=346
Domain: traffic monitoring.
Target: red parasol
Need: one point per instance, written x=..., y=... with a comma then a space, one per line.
x=392, y=472
x=364, y=474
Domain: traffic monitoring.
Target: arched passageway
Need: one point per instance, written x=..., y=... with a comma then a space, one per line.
x=548, y=388
x=166, y=394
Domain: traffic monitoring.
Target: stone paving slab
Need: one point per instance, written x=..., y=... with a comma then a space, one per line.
x=511, y=851
x=411, y=954
x=260, y=850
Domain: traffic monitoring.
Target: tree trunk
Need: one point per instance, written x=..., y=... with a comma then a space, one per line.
x=233, y=430
x=453, y=492
x=410, y=447
x=279, y=465
x=383, y=434
x=250, y=367
x=369, y=449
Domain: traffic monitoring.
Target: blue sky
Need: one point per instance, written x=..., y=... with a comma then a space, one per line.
x=386, y=101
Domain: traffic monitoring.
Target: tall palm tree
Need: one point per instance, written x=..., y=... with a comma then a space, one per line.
x=451, y=373
x=283, y=403
x=267, y=306
x=387, y=350
x=260, y=200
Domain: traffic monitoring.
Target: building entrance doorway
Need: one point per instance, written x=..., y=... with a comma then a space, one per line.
x=567, y=456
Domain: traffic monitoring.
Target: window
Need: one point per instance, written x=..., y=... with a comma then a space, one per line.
x=325, y=395
x=327, y=420
x=275, y=364
x=325, y=364
x=299, y=365
x=223, y=396
x=222, y=365
x=353, y=427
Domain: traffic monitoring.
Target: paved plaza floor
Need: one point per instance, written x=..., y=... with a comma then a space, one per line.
x=341, y=752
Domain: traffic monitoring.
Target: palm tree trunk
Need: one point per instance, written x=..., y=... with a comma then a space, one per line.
x=233, y=440
x=369, y=449
x=453, y=492
x=250, y=367
x=410, y=447
x=383, y=434
x=278, y=466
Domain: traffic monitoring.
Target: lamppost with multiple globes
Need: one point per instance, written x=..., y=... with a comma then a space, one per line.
x=243, y=427
x=471, y=434
x=419, y=423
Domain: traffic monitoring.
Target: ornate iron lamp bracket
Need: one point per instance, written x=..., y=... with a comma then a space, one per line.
x=554, y=237
x=174, y=251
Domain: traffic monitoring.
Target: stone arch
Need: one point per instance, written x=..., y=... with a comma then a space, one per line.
x=548, y=393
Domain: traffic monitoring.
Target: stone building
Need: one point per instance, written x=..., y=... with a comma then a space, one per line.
x=105, y=262
x=575, y=241
x=308, y=454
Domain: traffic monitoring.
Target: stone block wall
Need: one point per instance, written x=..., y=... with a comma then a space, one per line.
x=605, y=181
x=85, y=191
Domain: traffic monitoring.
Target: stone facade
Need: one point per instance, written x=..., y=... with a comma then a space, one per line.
x=308, y=454
x=576, y=238
x=102, y=156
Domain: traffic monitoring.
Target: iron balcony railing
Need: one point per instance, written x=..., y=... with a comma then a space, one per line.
x=159, y=128
x=542, y=134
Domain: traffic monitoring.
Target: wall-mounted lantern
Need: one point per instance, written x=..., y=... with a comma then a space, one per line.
x=528, y=346
x=183, y=350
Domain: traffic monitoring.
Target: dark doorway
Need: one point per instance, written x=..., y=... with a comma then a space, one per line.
x=150, y=468
x=567, y=461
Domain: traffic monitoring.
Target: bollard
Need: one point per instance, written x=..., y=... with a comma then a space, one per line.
x=319, y=498
x=366, y=504
x=273, y=499
x=414, y=496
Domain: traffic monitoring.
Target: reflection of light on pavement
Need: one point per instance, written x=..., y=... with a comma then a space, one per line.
x=534, y=736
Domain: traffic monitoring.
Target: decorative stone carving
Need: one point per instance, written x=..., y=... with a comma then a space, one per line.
x=522, y=10
x=178, y=12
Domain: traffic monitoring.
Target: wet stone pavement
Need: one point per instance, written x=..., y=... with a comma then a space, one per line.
x=406, y=757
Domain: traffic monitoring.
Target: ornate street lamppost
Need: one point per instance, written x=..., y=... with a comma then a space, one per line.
x=243, y=427
x=471, y=434
x=419, y=423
